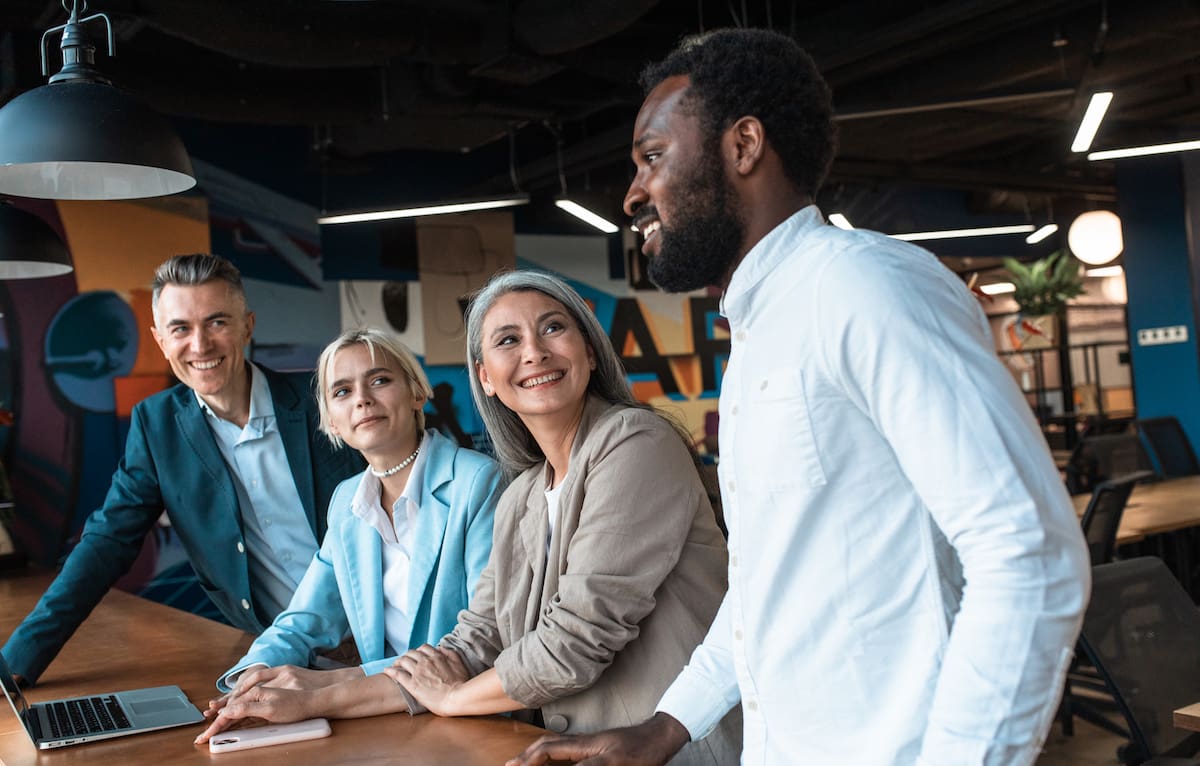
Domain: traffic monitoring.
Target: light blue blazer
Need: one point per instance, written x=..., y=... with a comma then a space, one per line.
x=343, y=587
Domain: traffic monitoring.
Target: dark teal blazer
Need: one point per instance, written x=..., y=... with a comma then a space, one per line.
x=172, y=462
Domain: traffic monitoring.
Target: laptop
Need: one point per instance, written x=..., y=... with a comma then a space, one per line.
x=59, y=723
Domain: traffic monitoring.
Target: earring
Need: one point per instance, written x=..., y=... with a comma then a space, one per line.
x=488, y=390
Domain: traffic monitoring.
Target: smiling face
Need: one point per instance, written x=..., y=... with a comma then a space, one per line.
x=681, y=198
x=202, y=330
x=535, y=358
x=372, y=405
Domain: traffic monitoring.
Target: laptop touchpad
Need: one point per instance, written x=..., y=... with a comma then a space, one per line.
x=160, y=705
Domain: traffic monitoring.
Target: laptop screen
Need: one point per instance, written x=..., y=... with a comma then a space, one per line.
x=13, y=692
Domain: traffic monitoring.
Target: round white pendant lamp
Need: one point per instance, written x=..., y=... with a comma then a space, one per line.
x=29, y=248
x=80, y=137
x=1095, y=237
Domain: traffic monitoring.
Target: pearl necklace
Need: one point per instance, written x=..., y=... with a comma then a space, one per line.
x=399, y=467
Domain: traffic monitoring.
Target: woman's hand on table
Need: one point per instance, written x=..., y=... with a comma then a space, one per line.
x=294, y=677
x=431, y=675
x=268, y=703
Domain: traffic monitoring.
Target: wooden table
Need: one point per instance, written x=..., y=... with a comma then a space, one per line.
x=148, y=644
x=1155, y=508
x=1188, y=717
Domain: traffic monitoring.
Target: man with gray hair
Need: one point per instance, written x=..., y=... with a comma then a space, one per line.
x=233, y=455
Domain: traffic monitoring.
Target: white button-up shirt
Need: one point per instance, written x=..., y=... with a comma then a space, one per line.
x=906, y=574
x=398, y=535
x=278, y=536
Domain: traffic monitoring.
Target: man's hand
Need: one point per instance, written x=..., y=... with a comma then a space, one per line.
x=652, y=743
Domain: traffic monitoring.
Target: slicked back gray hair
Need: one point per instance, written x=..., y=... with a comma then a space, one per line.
x=514, y=444
x=192, y=270
x=378, y=343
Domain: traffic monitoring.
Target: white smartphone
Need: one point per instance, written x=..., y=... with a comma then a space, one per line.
x=271, y=734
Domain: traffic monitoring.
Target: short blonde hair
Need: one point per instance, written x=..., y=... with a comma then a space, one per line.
x=377, y=342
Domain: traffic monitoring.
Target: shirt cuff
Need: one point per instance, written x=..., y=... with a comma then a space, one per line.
x=696, y=703
x=226, y=682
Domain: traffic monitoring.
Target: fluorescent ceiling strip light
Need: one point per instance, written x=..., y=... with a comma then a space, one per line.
x=1091, y=121
x=439, y=208
x=998, y=288
x=583, y=214
x=840, y=221
x=1141, y=151
x=986, y=231
x=1105, y=271
x=1041, y=234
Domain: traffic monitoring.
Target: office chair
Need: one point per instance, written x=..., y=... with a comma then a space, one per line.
x=1099, y=458
x=1103, y=515
x=1169, y=447
x=1140, y=632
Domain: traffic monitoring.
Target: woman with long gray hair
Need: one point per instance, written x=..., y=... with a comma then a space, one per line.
x=607, y=563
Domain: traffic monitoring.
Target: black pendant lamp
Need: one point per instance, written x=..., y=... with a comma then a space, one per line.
x=29, y=247
x=81, y=137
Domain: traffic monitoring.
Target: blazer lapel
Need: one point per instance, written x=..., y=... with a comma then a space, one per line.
x=365, y=607
x=190, y=418
x=432, y=518
x=535, y=527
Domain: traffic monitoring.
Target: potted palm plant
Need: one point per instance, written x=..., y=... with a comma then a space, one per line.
x=1042, y=291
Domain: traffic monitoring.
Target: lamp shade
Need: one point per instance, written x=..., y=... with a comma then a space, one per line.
x=29, y=247
x=80, y=139
x=1095, y=237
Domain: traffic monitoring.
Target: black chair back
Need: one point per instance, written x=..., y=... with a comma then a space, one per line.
x=1103, y=514
x=1097, y=459
x=1140, y=631
x=1169, y=447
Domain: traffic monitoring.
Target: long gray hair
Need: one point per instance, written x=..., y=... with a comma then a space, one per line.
x=515, y=445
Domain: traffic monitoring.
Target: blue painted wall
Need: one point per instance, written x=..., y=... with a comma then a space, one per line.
x=1159, y=262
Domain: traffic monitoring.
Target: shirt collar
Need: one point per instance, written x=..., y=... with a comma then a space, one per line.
x=262, y=410
x=767, y=253
x=367, y=501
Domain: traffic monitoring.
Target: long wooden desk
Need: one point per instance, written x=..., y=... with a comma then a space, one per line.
x=1188, y=717
x=141, y=643
x=1155, y=508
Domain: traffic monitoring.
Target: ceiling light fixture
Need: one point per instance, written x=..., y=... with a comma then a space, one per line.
x=1104, y=271
x=998, y=288
x=1095, y=237
x=29, y=247
x=431, y=208
x=987, y=231
x=80, y=137
x=1142, y=151
x=1041, y=234
x=840, y=221
x=1091, y=121
x=583, y=214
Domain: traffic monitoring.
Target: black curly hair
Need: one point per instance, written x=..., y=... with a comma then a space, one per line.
x=739, y=72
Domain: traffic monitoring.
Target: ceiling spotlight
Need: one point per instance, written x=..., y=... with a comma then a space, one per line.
x=1095, y=237
x=1041, y=234
x=79, y=137
x=998, y=288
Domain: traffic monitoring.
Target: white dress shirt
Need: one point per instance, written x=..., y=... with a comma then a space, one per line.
x=279, y=539
x=906, y=575
x=397, y=535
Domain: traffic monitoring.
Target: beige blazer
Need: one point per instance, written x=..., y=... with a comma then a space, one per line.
x=595, y=632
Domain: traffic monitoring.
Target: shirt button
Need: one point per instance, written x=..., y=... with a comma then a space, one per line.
x=737, y=635
x=732, y=486
x=752, y=706
x=254, y=483
x=266, y=522
x=733, y=560
x=741, y=335
x=241, y=548
x=245, y=604
x=763, y=387
x=733, y=410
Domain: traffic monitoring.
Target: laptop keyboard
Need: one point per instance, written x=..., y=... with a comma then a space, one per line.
x=86, y=716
